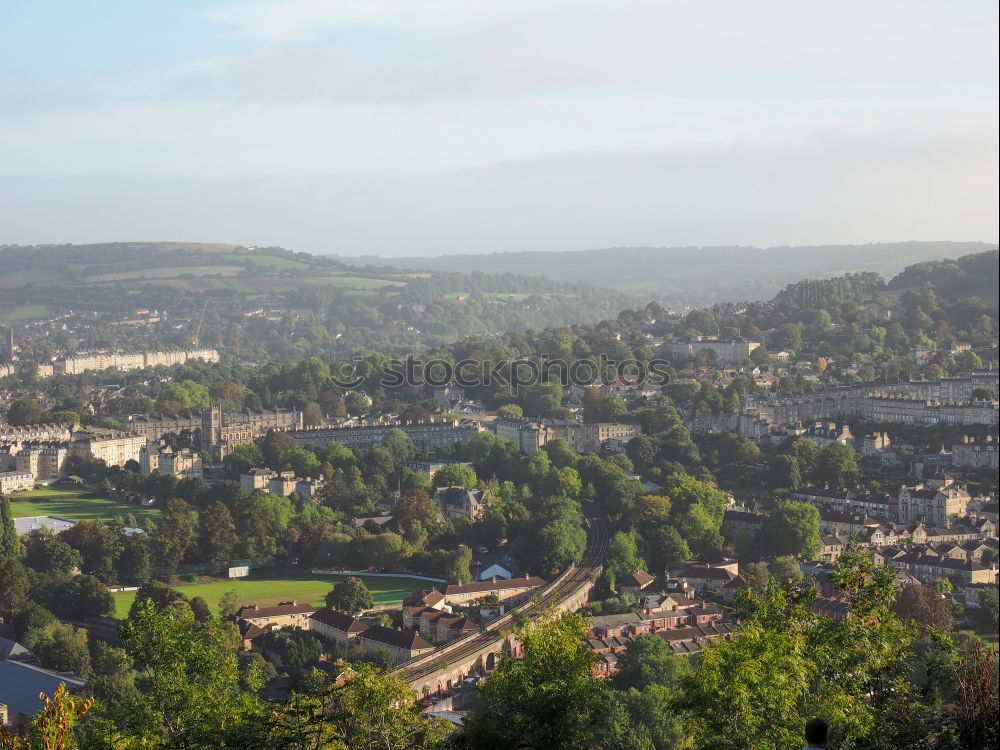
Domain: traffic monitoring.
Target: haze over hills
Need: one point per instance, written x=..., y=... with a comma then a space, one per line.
x=696, y=275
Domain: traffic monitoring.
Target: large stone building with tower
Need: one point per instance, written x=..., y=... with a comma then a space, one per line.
x=214, y=430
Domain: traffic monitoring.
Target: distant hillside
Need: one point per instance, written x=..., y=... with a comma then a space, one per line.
x=698, y=275
x=969, y=276
x=372, y=307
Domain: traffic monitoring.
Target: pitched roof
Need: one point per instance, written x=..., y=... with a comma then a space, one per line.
x=614, y=621
x=423, y=598
x=20, y=684
x=639, y=578
x=281, y=610
x=694, y=632
x=14, y=651
x=339, y=620
x=452, y=622
x=704, y=609
x=717, y=573
x=458, y=496
x=405, y=639
x=485, y=587
x=251, y=631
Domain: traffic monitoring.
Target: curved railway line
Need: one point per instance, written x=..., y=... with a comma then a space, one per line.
x=566, y=584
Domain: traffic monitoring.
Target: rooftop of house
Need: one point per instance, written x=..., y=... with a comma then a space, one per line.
x=404, y=639
x=281, y=610
x=251, y=631
x=21, y=683
x=737, y=583
x=615, y=621
x=423, y=598
x=484, y=587
x=720, y=574
x=695, y=632
x=457, y=495
x=339, y=620
x=639, y=578
x=14, y=651
x=452, y=622
x=30, y=524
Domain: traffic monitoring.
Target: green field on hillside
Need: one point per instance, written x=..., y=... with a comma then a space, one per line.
x=78, y=503
x=24, y=312
x=387, y=591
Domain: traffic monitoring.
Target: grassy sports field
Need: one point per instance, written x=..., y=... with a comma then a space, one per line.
x=78, y=503
x=387, y=591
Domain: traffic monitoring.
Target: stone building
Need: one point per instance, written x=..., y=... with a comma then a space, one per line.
x=933, y=502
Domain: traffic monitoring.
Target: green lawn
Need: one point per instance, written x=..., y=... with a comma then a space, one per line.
x=74, y=502
x=388, y=591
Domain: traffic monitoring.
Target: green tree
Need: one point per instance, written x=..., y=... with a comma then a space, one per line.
x=10, y=543
x=135, y=562
x=556, y=537
x=228, y=603
x=49, y=555
x=685, y=490
x=400, y=447
x=649, y=661
x=738, y=700
x=200, y=609
x=414, y=506
x=369, y=710
x=455, y=475
x=662, y=544
x=698, y=529
x=216, y=534
x=25, y=411
x=792, y=528
x=784, y=473
x=785, y=569
x=190, y=687
x=176, y=532
x=837, y=465
x=242, y=459
x=458, y=567
x=13, y=576
x=925, y=606
x=60, y=647
x=622, y=558
x=274, y=445
x=350, y=595
x=547, y=699
x=301, y=648
x=81, y=597
x=561, y=453
x=789, y=664
x=540, y=399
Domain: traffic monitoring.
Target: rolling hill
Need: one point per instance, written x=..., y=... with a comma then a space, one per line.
x=698, y=275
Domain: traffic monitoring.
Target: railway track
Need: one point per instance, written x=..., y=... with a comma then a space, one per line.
x=566, y=584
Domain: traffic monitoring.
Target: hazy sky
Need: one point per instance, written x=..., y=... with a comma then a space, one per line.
x=400, y=127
